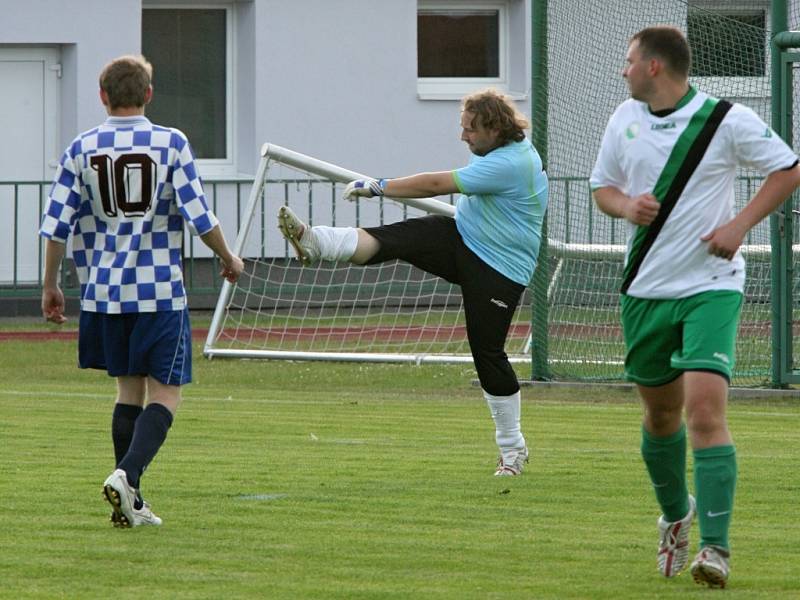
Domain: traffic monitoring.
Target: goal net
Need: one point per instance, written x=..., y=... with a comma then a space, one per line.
x=570, y=314
x=585, y=45
x=336, y=311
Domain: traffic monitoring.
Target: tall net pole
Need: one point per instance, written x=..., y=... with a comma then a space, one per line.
x=541, y=278
x=780, y=23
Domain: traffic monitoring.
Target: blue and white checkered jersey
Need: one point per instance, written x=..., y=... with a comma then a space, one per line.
x=501, y=212
x=123, y=190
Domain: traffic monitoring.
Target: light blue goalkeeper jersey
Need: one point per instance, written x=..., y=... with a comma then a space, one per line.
x=502, y=208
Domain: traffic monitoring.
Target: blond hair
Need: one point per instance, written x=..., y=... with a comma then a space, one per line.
x=125, y=80
x=493, y=110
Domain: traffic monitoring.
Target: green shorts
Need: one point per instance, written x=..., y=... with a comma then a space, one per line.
x=664, y=338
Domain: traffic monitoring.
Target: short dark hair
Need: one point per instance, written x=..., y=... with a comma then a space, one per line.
x=125, y=80
x=668, y=44
x=496, y=111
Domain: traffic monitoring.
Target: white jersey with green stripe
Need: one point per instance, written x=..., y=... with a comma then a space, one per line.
x=637, y=153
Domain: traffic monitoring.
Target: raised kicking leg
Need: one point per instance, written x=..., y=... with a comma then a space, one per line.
x=311, y=244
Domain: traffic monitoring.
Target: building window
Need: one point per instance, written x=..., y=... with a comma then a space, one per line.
x=466, y=45
x=190, y=52
x=727, y=42
x=458, y=43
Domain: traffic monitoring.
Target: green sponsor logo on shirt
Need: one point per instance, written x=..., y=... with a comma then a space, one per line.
x=632, y=130
x=767, y=133
x=661, y=126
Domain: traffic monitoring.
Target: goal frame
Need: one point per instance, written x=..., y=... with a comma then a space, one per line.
x=274, y=152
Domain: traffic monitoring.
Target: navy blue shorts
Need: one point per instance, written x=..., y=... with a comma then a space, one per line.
x=158, y=344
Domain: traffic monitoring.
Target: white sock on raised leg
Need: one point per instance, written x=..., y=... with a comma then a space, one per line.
x=506, y=415
x=334, y=243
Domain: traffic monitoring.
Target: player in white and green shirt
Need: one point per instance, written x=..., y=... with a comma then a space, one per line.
x=638, y=147
x=667, y=164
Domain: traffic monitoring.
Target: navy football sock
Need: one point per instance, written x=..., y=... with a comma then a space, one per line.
x=122, y=422
x=148, y=437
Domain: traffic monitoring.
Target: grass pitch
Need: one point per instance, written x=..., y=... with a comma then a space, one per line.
x=312, y=480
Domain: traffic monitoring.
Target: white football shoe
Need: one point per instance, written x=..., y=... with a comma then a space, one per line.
x=711, y=567
x=293, y=229
x=117, y=520
x=512, y=465
x=119, y=493
x=673, y=543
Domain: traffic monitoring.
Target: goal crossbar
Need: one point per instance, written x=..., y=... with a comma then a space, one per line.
x=339, y=174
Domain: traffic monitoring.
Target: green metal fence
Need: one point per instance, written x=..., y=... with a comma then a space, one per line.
x=21, y=249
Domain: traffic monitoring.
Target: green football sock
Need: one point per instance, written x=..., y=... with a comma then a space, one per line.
x=715, y=483
x=665, y=458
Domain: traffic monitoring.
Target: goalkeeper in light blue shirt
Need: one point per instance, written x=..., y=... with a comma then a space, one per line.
x=489, y=249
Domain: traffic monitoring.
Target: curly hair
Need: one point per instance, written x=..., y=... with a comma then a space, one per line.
x=493, y=110
x=125, y=80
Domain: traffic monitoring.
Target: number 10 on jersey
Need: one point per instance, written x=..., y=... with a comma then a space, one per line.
x=125, y=183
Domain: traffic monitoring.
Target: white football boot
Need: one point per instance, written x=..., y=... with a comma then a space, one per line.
x=711, y=567
x=673, y=543
x=298, y=235
x=512, y=464
x=118, y=492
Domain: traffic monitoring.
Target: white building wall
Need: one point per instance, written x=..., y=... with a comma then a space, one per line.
x=336, y=80
x=89, y=33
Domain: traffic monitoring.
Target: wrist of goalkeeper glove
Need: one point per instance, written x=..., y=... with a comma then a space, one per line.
x=364, y=187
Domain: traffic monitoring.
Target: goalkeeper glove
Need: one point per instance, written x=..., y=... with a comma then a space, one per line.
x=364, y=187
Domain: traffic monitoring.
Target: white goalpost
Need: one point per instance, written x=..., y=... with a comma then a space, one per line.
x=390, y=312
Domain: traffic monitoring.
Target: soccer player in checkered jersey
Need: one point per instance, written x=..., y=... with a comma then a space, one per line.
x=667, y=164
x=123, y=191
x=490, y=248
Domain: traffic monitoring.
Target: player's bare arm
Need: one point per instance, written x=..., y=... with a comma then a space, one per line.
x=421, y=185
x=725, y=240
x=639, y=210
x=232, y=265
x=52, y=296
